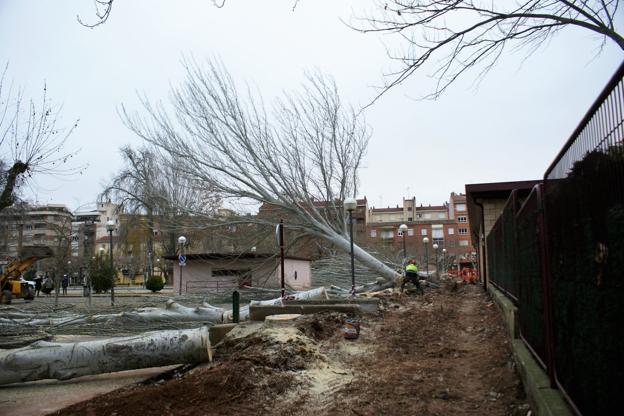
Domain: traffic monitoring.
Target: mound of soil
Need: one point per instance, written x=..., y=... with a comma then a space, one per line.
x=321, y=326
x=445, y=353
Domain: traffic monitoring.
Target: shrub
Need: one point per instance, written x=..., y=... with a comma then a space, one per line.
x=100, y=273
x=154, y=283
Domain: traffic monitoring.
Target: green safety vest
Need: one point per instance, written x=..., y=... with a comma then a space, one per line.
x=411, y=268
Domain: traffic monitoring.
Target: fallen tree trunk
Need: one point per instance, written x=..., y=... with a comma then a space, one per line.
x=54, y=360
x=173, y=311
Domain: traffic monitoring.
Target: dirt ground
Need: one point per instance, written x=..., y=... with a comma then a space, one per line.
x=445, y=353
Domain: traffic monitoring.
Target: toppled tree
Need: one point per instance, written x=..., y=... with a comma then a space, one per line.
x=31, y=143
x=454, y=36
x=302, y=158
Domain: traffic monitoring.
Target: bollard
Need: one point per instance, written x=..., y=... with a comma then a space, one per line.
x=235, y=306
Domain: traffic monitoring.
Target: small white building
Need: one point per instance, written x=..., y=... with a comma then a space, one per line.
x=219, y=272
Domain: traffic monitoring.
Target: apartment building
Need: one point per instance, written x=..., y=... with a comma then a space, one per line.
x=46, y=225
x=445, y=225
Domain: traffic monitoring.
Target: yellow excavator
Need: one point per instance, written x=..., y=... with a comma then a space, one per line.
x=12, y=286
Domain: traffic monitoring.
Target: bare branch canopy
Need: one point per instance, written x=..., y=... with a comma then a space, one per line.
x=301, y=158
x=454, y=36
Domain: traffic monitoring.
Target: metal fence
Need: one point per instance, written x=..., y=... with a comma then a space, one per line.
x=501, y=244
x=560, y=258
x=584, y=208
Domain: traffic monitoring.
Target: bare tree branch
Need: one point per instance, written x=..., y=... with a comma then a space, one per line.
x=31, y=142
x=301, y=158
x=103, y=10
x=454, y=36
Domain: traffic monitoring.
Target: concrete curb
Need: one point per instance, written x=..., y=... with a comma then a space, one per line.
x=545, y=401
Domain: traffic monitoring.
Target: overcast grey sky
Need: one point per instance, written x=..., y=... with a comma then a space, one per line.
x=509, y=128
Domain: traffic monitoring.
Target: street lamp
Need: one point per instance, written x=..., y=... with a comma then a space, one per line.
x=350, y=204
x=426, y=244
x=150, y=270
x=435, y=247
x=403, y=229
x=69, y=274
x=444, y=259
x=181, y=262
x=110, y=227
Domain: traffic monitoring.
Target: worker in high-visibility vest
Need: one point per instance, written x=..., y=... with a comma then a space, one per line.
x=411, y=275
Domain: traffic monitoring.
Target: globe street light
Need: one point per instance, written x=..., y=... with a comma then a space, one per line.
x=110, y=227
x=182, y=260
x=350, y=204
x=435, y=247
x=403, y=229
x=426, y=244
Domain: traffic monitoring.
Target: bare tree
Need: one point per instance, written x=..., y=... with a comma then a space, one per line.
x=302, y=158
x=455, y=36
x=31, y=142
x=151, y=185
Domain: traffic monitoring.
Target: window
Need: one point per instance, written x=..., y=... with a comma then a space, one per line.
x=428, y=216
x=462, y=231
x=441, y=215
x=460, y=207
x=28, y=227
x=451, y=243
x=423, y=231
x=463, y=243
x=409, y=218
x=410, y=232
x=373, y=233
x=40, y=225
x=418, y=215
x=437, y=233
x=409, y=208
x=387, y=234
x=462, y=219
x=450, y=231
x=439, y=242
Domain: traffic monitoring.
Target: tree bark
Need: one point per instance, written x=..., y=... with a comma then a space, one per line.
x=62, y=361
x=364, y=257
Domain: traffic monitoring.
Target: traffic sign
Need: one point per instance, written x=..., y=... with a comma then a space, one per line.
x=182, y=259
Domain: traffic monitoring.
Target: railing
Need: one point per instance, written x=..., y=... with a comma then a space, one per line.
x=501, y=246
x=218, y=287
x=534, y=298
x=584, y=208
x=560, y=258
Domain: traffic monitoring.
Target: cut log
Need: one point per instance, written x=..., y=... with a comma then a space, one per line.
x=318, y=293
x=55, y=360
